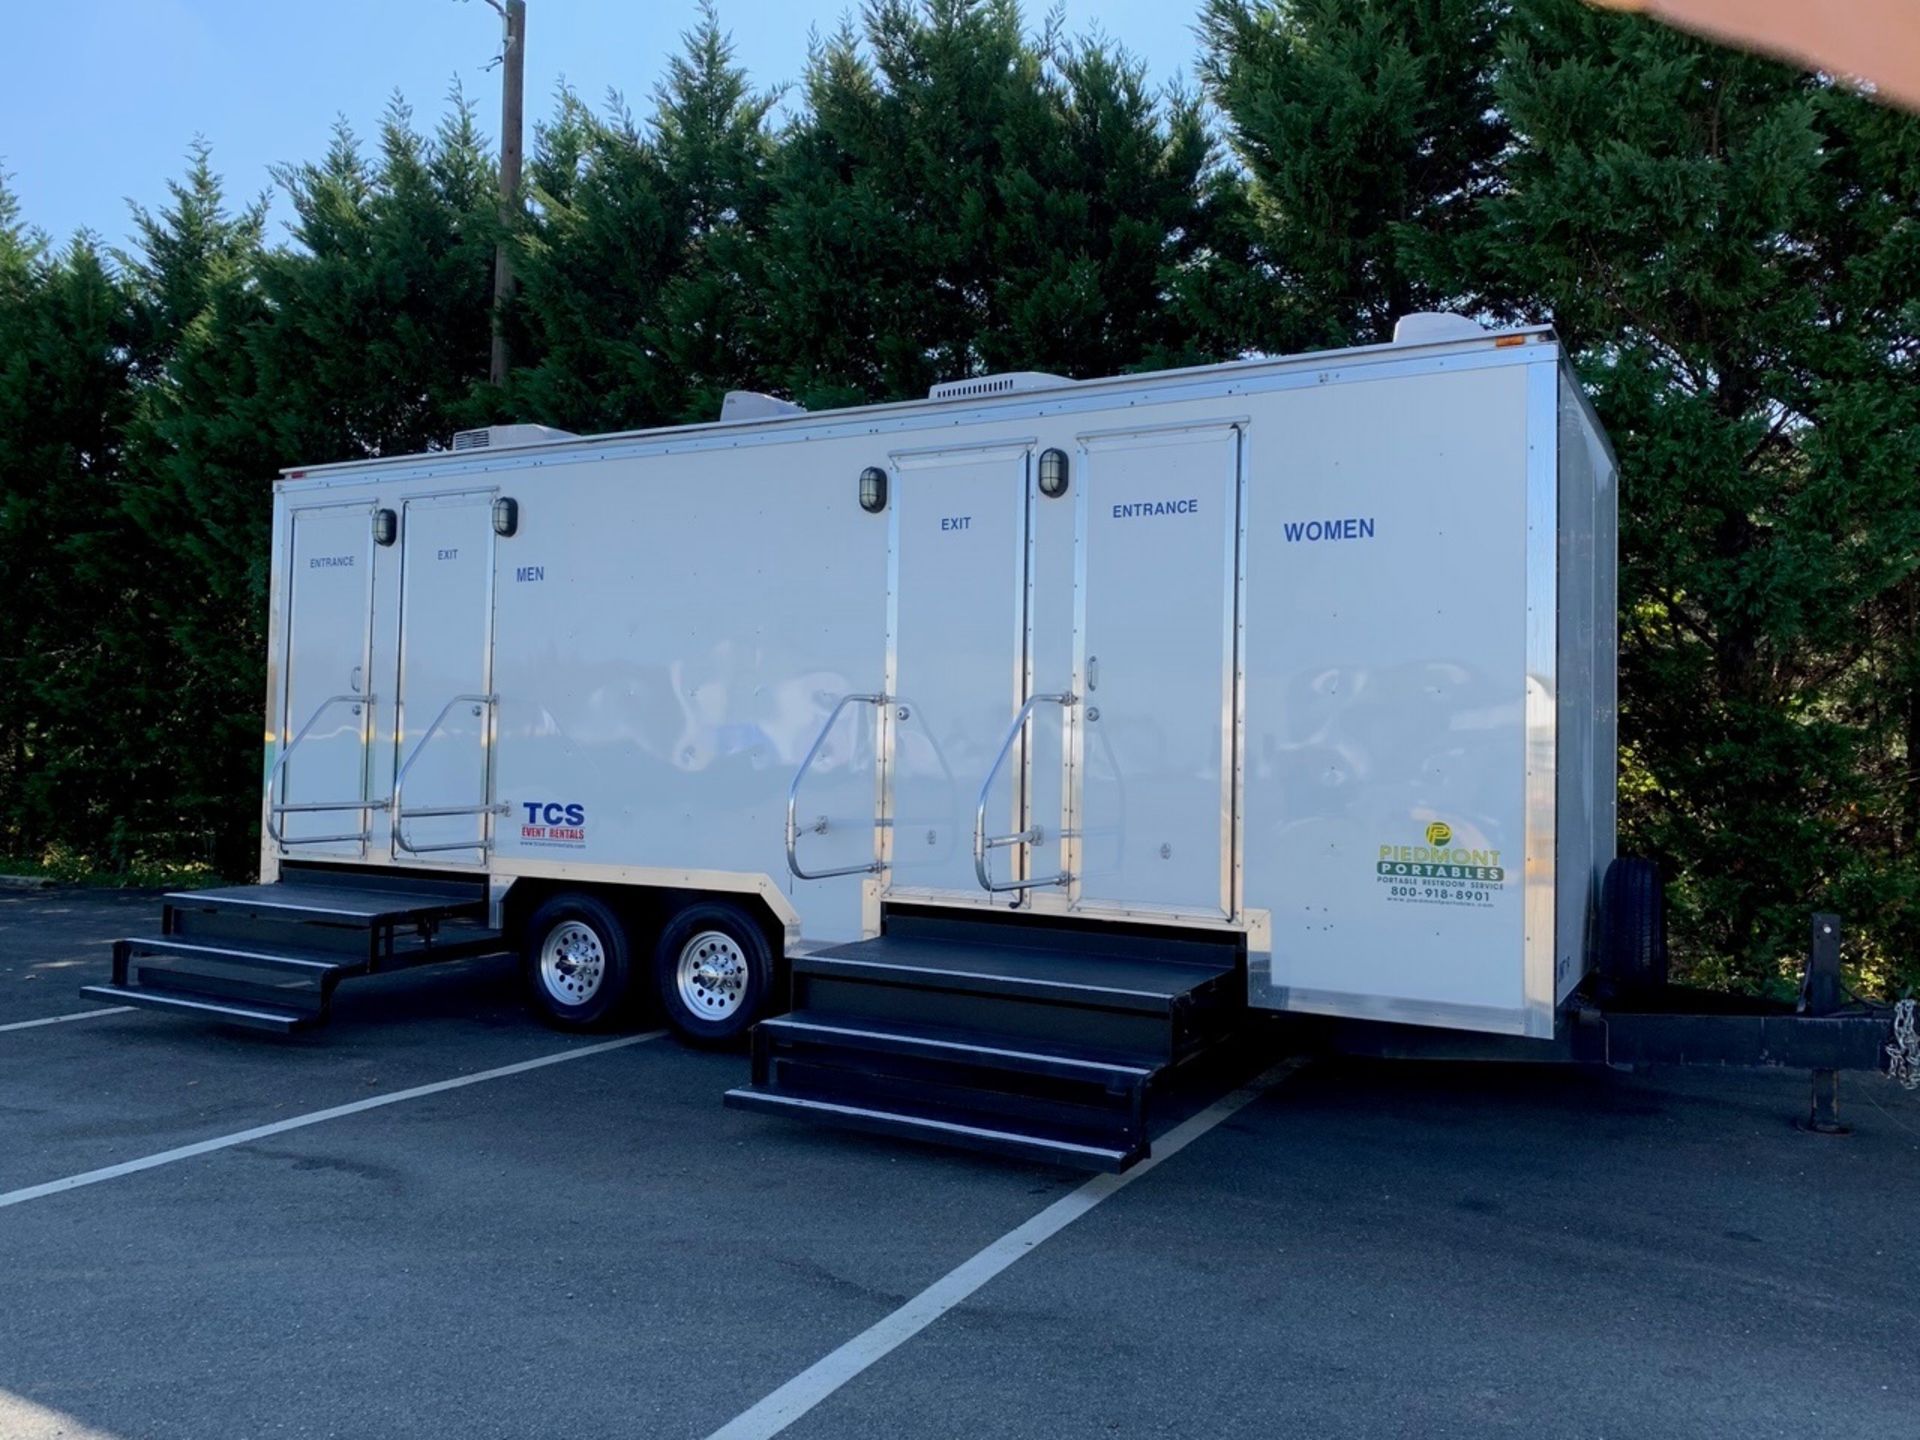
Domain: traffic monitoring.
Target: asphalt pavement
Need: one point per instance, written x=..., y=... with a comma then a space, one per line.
x=595, y=1247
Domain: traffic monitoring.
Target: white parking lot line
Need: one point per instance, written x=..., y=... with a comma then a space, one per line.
x=819, y=1380
x=315, y=1117
x=21, y=1419
x=63, y=1019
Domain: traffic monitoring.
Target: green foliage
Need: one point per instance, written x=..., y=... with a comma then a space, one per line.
x=378, y=318
x=1729, y=247
x=60, y=866
x=636, y=306
x=66, y=400
x=1370, y=136
x=958, y=198
x=1731, y=250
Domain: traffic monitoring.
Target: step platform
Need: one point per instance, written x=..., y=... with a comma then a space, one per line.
x=269, y=956
x=1023, y=1037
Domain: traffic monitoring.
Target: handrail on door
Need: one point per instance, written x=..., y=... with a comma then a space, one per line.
x=984, y=844
x=873, y=867
x=275, y=808
x=428, y=812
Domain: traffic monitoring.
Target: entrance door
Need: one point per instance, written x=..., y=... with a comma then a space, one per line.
x=324, y=703
x=1155, y=654
x=444, y=724
x=958, y=656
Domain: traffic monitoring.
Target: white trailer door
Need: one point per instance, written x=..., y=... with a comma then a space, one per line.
x=324, y=702
x=1155, y=653
x=957, y=637
x=443, y=723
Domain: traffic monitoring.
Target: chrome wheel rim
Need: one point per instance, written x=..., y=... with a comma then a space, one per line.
x=712, y=975
x=573, y=962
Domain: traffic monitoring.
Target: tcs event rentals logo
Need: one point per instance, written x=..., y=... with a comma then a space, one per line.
x=1439, y=872
x=551, y=822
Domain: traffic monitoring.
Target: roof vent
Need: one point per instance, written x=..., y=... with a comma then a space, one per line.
x=1424, y=327
x=752, y=405
x=508, y=437
x=1014, y=382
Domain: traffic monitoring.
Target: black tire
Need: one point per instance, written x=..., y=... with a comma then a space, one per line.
x=729, y=972
x=1633, y=926
x=588, y=979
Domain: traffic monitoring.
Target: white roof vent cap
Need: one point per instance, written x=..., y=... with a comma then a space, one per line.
x=752, y=405
x=508, y=437
x=1012, y=382
x=1426, y=326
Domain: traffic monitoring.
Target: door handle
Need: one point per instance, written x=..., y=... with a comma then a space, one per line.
x=1093, y=673
x=353, y=679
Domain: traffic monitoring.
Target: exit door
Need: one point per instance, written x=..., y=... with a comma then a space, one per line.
x=319, y=788
x=957, y=655
x=444, y=713
x=1156, y=646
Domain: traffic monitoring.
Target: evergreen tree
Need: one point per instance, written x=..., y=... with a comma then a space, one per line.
x=1369, y=135
x=1106, y=227
x=957, y=198
x=1730, y=248
x=200, y=459
x=20, y=279
x=65, y=401
x=381, y=313
x=634, y=291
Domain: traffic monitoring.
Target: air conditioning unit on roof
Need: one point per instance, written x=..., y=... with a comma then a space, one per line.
x=508, y=437
x=1013, y=382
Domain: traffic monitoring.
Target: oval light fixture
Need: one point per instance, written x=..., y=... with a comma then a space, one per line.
x=506, y=516
x=386, y=527
x=1053, y=473
x=873, y=489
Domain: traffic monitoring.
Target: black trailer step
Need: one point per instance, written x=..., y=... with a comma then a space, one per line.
x=257, y=1017
x=312, y=964
x=982, y=967
x=271, y=955
x=1018, y=1142
x=338, y=904
x=1043, y=988
x=957, y=1047
x=1029, y=1038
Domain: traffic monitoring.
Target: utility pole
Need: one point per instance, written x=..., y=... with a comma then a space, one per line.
x=513, y=74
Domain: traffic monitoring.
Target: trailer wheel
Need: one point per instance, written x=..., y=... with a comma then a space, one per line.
x=1633, y=925
x=576, y=958
x=714, y=972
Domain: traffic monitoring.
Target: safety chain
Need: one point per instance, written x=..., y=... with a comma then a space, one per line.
x=1903, y=1055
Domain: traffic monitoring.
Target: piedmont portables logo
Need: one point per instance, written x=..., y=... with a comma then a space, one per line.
x=1440, y=872
x=547, y=822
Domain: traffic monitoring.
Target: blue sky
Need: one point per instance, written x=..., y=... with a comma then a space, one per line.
x=103, y=97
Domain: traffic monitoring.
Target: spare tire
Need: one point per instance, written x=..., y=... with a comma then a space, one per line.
x=1633, y=925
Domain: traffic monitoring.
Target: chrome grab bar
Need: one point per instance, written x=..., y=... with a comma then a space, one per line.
x=275, y=808
x=984, y=844
x=873, y=867
x=428, y=812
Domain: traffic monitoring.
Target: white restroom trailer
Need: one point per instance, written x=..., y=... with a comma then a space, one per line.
x=1297, y=670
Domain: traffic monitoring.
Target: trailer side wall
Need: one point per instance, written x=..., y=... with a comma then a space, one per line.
x=1388, y=696
x=1587, y=731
